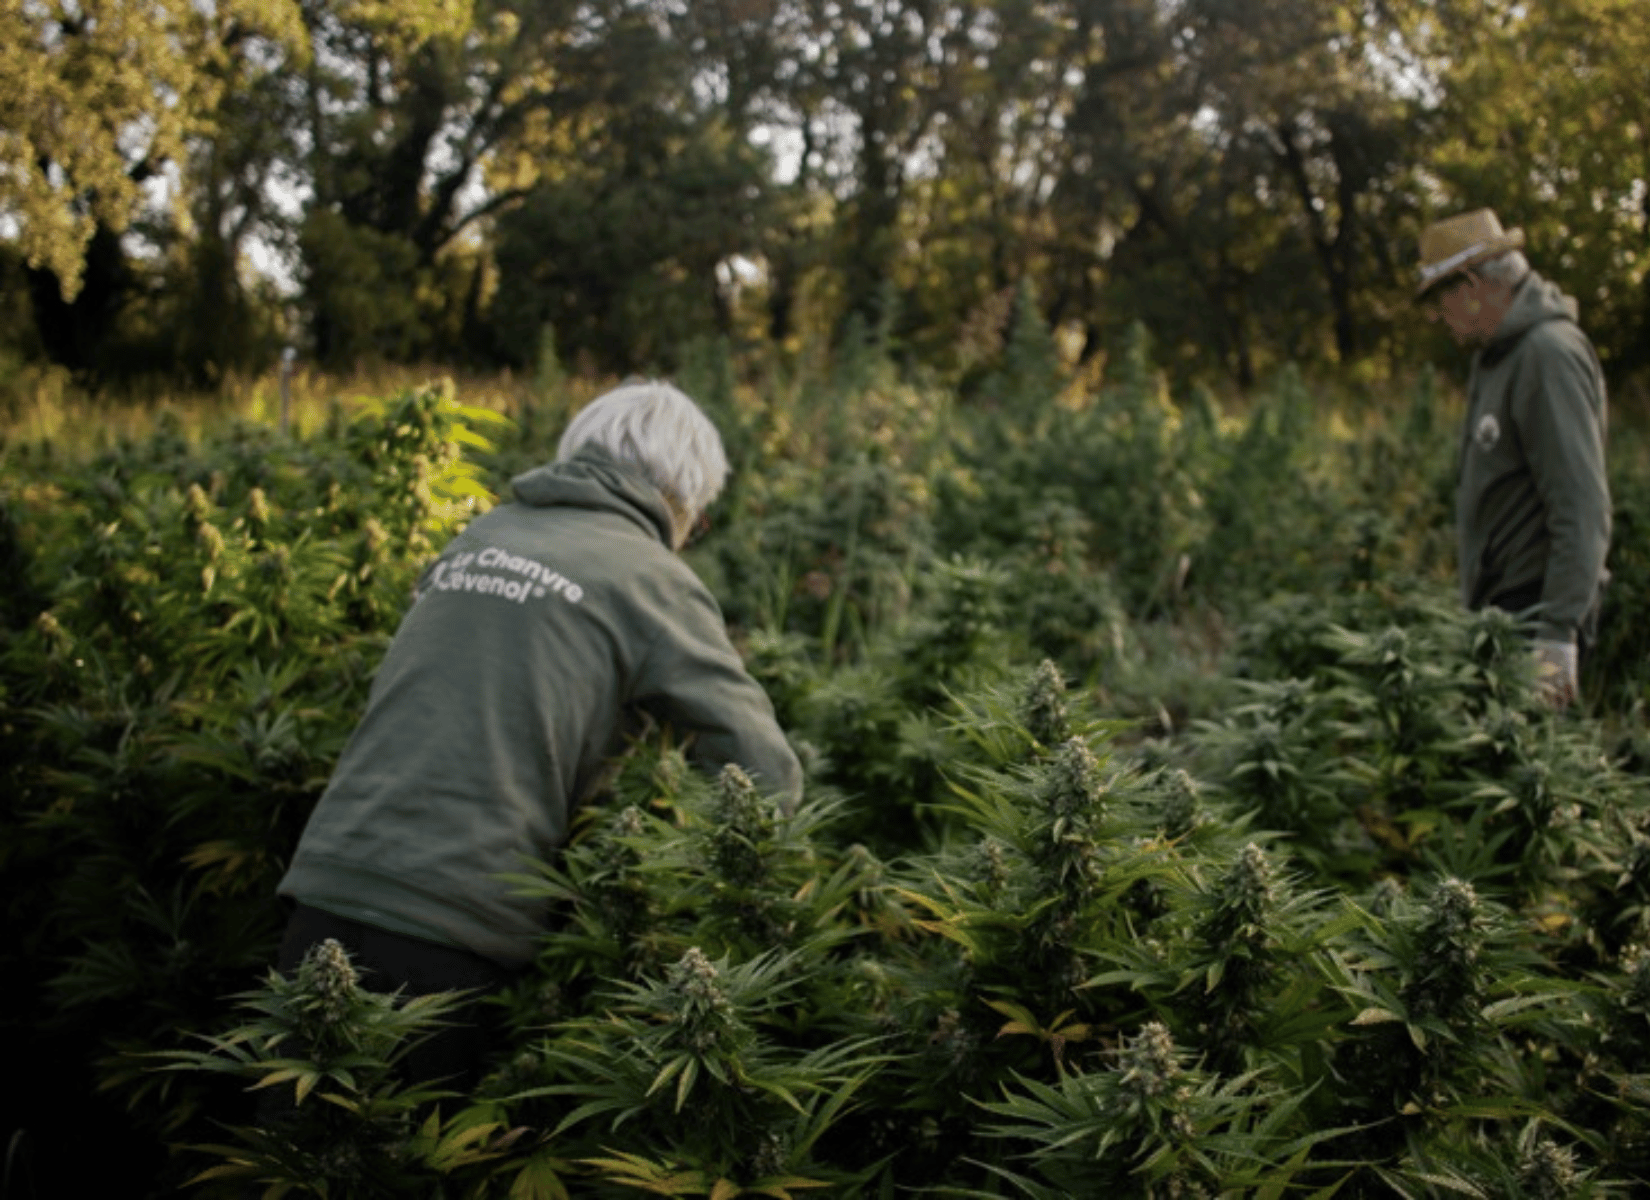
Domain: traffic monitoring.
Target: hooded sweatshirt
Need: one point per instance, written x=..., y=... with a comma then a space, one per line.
x=537, y=638
x=1532, y=500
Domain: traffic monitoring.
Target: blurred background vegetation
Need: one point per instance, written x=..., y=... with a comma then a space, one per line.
x=185, y=190
x=1065, y=333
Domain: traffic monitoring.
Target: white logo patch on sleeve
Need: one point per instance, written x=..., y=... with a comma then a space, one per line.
x=1487, y=433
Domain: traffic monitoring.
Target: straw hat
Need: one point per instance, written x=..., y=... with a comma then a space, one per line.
x=1459, y=242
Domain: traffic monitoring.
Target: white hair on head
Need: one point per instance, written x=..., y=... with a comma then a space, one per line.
x=1504, y=269
x=658, y=428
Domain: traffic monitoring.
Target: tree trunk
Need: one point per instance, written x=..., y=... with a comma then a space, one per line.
x=1334, y=253
x=75, y=333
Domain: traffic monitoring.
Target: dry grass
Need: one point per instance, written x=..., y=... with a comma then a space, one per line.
x=41, y=407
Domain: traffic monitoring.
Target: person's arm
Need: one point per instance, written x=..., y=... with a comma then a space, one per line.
x=692, y=677
x=1559, y=409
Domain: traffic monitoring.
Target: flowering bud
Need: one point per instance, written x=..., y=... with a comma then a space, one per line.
x=328, y=975
x=50, y=628
x=1180, y=805
x=195, y=504
x=1446, y=973
x=1044, y=707
x=1149, y=1063
x=1072, y=785
x=374, y=537
x=1241, y=902
x=211, y=540
x=695, y=977
x=1547, y=1171
x=703, y=1012
x=629, y=822
x=257, y=507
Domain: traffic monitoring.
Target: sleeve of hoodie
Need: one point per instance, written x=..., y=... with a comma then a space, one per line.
x=1558, y=405
x=692, y=676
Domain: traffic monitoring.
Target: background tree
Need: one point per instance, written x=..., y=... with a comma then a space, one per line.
x=1547, y=119
x=101, y=99
x=979, y=210
x=1331, y=94
x=443, y=181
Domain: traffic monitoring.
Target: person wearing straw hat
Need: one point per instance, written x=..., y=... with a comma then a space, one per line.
x=1532, y=504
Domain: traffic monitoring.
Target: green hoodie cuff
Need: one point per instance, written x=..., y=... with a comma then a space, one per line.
x=1548, y=631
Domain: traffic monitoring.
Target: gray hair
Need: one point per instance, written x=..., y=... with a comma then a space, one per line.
x=658, y=428
x=1504, y=270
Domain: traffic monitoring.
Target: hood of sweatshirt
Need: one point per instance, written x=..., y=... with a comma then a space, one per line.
x=1535, y=301
x=594, y=479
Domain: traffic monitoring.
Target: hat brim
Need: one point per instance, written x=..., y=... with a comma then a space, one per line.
x=1512, y=239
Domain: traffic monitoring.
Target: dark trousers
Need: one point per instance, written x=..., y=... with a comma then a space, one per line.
x=455, y=1055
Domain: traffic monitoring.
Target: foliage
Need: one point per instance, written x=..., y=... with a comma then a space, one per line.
x=1354, y=914
x=423, y=180
x=98, y=106
x=193, y=629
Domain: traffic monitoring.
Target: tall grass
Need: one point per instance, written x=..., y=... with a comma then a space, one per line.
x=44, y=407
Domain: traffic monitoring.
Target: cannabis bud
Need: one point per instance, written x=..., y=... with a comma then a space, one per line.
x=196, y=505
x=1072, y=785
x=1492, y=636
x=327, y=974
x=1148, y=1063
x=51, y=629
x=989, y=863
x=1242, y=900
x=211, y=539
x=1044, y=707
x=1385, y=896
x=257, y=507
x=772, y=1152
x=1547, y=1171
x=1635, y=964
x=954, y=1043
x=743, y=822
x=1180, y=805
x=738, y=801
x=1454, y=913
x=629, y=822
x=703, y=1009
x=1446, y=971
x=374, y=537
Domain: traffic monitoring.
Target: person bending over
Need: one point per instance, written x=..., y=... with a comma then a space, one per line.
x=540, y=636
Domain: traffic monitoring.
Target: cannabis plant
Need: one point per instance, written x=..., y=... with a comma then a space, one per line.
x=1150, y=1124
x=695, y=1068
x=338, y=1118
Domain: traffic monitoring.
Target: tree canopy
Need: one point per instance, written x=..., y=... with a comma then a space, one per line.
x=459, y=179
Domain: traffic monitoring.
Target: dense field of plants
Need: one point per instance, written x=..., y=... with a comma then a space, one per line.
x=1169, y=830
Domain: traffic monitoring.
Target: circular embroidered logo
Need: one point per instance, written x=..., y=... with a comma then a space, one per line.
x=1488, y=432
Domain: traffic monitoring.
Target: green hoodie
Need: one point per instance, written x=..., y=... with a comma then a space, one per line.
x=537, y=639
x=1532, y=502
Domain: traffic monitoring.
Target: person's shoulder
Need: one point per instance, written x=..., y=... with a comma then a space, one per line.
x=648, y=568
x=1558, y=335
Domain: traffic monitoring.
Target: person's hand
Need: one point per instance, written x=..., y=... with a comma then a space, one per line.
x=1555, y=671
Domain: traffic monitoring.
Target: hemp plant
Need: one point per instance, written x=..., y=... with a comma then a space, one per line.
x=1050, y=824
x=1153, y=1125
x=694, y=1067
x=1444, y=996
x=339, y=1119
x=603, y=919
x=1273, y=755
